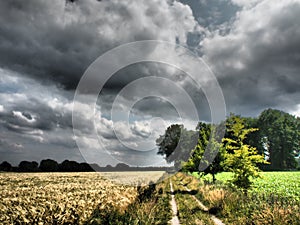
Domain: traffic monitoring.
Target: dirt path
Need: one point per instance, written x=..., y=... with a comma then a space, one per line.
x=175, y=220
x=216, y=220
x=204, y=209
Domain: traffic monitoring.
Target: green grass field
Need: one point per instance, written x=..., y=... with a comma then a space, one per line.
x=273, y=199
x=284, y=184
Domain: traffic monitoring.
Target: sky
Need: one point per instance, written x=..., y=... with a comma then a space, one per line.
x=250, y=47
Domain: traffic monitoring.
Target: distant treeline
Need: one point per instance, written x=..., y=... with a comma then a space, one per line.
x=49, y=165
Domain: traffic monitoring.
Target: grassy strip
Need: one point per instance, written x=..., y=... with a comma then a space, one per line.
x=256, y=208
x=233, y=207
x=189, y=210
x=151, y=207
x=284, y=184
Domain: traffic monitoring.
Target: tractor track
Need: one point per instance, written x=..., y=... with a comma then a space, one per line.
x=175, y=220
x=175, y=211
x=216, y=220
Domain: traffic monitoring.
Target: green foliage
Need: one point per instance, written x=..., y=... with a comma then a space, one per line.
x=207, y=144
x=241, y=158
x=176, y=144
x=193, y=163
x=189, y=210
x=274, y=199
x=274, y=135
x=283, y=184
x=169, y=141
x=280, y=133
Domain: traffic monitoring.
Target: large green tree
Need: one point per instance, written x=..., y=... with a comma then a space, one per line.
x=240, y=158
x=207, y=155
x=176, y=144
x=280, y=135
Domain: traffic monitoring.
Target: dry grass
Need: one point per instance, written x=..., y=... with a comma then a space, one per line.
x=215, y=197
x=277, y=215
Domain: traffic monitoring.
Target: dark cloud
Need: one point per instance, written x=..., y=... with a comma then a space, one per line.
x=57, y=41
x=6, y=147
x=33, y=118
x=34, y=114
x=257, y=62
x=252, y=47
x=152, y=105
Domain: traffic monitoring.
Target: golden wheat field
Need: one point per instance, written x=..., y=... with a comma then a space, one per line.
x=65, y=198
x=133, y=178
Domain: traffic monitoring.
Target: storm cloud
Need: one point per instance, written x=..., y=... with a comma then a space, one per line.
x=252, y=48
x=257, y=62
x=58, y=40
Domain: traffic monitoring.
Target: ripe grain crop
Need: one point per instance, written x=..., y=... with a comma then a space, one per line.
x=58, y=198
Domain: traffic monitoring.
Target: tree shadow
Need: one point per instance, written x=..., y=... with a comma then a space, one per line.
x=108, y=214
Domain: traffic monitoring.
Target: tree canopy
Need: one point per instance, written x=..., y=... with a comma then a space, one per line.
x=241, y=158
x=176, y=144
x=249, y=143
x=209, y=143
x=280, y=138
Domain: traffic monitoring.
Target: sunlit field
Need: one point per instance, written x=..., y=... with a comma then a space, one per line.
x=284, y=184
x=65, y=198
x=273, y=199
x=133, y=178
x=107, y=198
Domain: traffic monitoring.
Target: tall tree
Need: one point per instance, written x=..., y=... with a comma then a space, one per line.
x=176, y=144
x=241, y=158
x=281, y=134
x=208, y=142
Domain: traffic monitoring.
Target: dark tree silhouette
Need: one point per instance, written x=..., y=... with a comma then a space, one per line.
x=176, y=144
x=69, y=166
x=26, y=166
x=121, y=167
x=49, y=165
x=85, y=167
x=5, y=166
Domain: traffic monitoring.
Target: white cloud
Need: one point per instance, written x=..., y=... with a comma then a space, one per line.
x=57, y=104
x=246, y=3
x=141, y=128
x=257, y=61
x=22, y=116
x=17, y=146
x=296, y=112
x=257, y=35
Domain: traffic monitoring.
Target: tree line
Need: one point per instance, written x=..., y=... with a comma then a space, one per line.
x=239, y=144
x=50, y=165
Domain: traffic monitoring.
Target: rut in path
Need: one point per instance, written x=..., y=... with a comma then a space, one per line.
x=175, y=220
x=205, y=209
